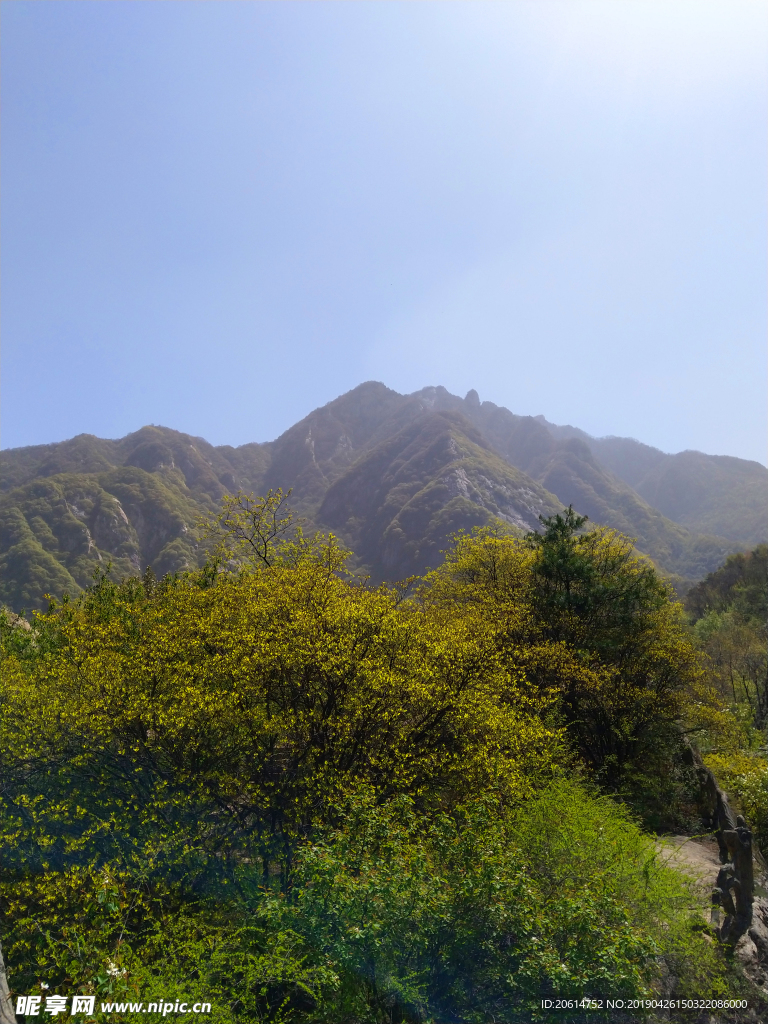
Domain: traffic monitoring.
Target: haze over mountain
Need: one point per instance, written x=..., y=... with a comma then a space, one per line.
x=393, y=475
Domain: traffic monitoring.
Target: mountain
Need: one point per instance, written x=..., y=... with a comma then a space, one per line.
x=715, y=494
x=393, y=475
x=566, y=466
x=399, y=504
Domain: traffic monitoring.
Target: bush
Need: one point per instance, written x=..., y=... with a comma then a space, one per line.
x=478, y=915
x=745, y=775
x=128, y=940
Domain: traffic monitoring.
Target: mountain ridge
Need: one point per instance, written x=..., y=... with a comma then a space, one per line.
x=394, y=475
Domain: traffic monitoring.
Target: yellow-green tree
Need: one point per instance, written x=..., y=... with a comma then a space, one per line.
x=241, y=703
x=586, y=621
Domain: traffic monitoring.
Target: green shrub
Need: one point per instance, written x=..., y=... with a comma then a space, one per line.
x=745, y=774
x=478, y=915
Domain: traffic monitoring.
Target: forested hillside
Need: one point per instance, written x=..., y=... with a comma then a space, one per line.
x=393, y=475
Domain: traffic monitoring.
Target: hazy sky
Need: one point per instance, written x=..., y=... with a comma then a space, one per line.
x=218, y=216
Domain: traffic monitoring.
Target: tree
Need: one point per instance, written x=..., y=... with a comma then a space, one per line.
x=729, y=610
x=585, y=619
x=236, y=706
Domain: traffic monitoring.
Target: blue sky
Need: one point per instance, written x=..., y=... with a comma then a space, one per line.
x=218, y=216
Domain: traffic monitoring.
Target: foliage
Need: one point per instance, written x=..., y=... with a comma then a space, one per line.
x=257, y=529
x=740, y=584
x=588, y=623
x=469, y=916
x=257, y=698
x=125, y=937
x=729, y=611
x=478, y=915
x=729, y=616
x=746, y=776
x=267, y=782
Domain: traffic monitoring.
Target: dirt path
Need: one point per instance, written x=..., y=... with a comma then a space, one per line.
x=698, y=858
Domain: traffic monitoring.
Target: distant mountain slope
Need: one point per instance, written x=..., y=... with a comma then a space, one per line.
x=70, y=508
x=562, y=460
x=203, y=468
x=56, y=530
x=715, y=494
x=400, y=503
x=394, y=475
x=711, y=494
